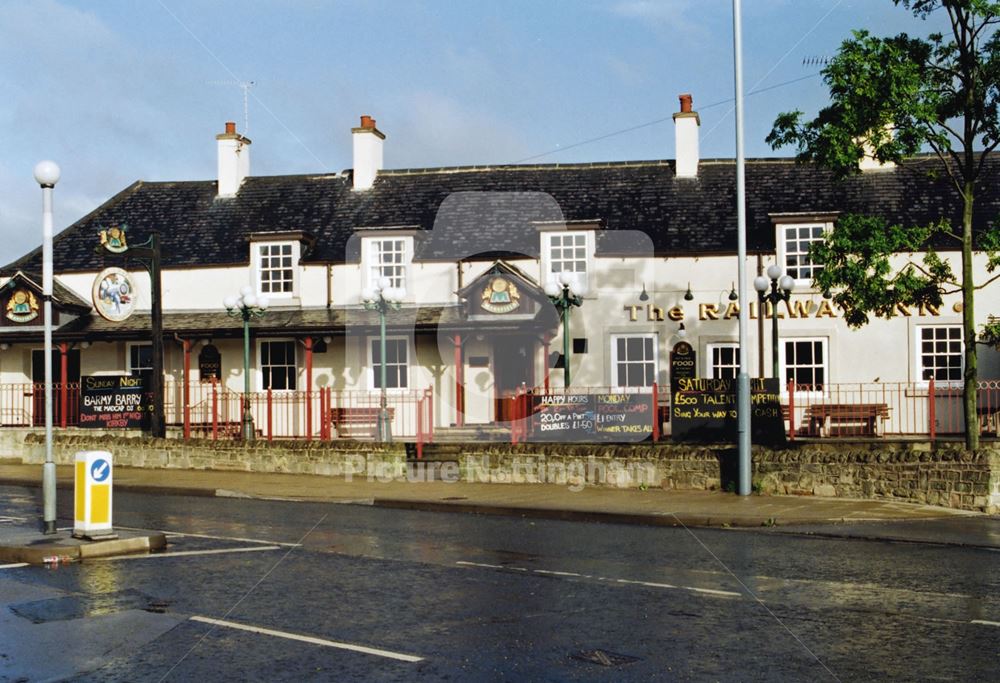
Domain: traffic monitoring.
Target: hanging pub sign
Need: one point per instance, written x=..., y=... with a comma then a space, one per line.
x=209, y=363
x=683, y=361
x=115, y=401
x=114, y=294
x=113, y=239
x=22, y=306
x=705, y=411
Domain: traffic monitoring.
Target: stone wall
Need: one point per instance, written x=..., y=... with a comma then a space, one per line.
x=940, y=474
x=336, y=459
x=945, y=474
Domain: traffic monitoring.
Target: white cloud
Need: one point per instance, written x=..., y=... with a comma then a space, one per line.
x=676, y=16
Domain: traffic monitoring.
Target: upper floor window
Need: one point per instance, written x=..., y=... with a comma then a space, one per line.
x=723, y=360
x=567, y=252
x=388, y=257
x=795, y=243
x=275, y=263
x=939, y=353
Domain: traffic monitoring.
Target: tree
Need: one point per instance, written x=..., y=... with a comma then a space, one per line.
x=890, y=99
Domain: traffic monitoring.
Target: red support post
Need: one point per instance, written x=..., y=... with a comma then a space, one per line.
x=215, y=409
x=429, y=398
x=186, y=343
x=270, y=413
x=328, y=414
x=308, y=343
x=322, y=412
x=64, y=380
x=420, y=428
x=459, y=383
x=656, y=413
x=931, y=409
x=791, y=410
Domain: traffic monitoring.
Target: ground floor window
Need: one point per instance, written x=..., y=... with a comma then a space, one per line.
x=140, y=358
x=277, y=365
x=633, y=360
x=939, y=353
x=805, y=363
x=723, y=360
x=396, y=363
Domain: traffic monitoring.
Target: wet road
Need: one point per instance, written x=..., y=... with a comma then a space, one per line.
x=267, y=590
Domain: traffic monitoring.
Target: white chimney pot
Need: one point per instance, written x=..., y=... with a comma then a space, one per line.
x=686, y=124
x=367, y=153
x=234, y=160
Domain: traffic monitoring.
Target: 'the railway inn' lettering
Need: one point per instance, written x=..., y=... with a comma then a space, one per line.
x=800, y=308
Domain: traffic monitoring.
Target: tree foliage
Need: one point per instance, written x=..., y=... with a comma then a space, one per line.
x=890, y=98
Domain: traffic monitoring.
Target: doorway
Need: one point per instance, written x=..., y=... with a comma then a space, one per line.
x=513, y=366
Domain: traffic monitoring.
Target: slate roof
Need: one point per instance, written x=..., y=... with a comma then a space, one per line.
x=680, y=216
x=62, y=296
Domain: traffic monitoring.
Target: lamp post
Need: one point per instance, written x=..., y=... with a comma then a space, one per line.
x=47, y=175
x=383, y=297
x=781, y=289
x=563, y=297
x=246, y=307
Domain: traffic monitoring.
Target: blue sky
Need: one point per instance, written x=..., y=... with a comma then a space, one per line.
x=121, y=90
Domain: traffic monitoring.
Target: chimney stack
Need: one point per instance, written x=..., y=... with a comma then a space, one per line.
x=686, y=123
x=234, y=160
x=367, y=153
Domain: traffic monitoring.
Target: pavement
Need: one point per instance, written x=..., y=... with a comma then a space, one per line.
x=649, y=507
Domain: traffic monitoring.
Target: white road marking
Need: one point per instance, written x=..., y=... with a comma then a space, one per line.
x=648, y=584
x=188, y=553
x=219, y=538
x=552, y=573
x=13, y=566
x=984, y=622
x=310, y=639
x=5, y=519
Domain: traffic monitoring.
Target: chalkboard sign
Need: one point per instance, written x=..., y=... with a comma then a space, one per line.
x=705, y=410
x=115, y=402
x=583, y=418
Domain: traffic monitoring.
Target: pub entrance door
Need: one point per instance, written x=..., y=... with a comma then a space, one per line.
x=513, y=366
x=38, y=380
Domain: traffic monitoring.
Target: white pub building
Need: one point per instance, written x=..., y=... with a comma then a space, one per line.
x=467, y=259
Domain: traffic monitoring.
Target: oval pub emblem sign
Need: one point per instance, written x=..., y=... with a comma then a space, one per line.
x=114, y=294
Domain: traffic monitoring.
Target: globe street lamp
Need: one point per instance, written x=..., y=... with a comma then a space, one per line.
x=47, y=175
x=383, y=297
x=246, y=307
x=564, y=297
x=781, y=289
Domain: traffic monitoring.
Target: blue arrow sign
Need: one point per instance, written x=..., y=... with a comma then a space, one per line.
x=100, y=469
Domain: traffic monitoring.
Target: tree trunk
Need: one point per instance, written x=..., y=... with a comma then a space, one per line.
x=971, y=376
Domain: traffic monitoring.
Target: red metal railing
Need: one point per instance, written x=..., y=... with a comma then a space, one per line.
x=887, y=409
x=23, y=405
x=874, y=409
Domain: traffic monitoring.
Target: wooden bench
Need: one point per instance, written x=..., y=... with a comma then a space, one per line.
x=352, y=423
x=846, y=419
